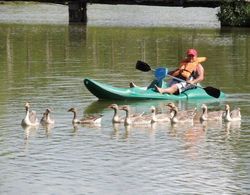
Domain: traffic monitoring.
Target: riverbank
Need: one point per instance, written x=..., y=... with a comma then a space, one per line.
x=33, y=13
x=111, y=15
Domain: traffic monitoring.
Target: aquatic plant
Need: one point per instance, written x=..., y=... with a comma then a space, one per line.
x=233, y=13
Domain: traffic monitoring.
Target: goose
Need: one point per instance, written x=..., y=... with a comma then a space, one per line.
x=86, y=120
x=215, y=115
x=137, y=120
x=116, y=118
x=46, y=119
x=182, y=112
x=159, y=117
x=30, y=118
x=234, y=115
x=177, y=117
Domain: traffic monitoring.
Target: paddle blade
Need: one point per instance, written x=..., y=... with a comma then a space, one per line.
x=160, y=73
x=142, y=66
x=212, y=91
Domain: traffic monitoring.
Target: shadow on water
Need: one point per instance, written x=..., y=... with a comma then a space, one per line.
x=100, y=105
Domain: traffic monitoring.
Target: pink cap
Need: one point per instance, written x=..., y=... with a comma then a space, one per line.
x=192, y=52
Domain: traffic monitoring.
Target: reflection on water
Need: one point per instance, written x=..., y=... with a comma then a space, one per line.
x=48, y=128
x=30, y=131
x=46, y=64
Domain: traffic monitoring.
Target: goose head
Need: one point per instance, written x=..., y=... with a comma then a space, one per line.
x=48, y=110
x=72, y=110
x=172, y=108
x=27, y=106
x=125, y=108
x=171, y=105
x=113, y=106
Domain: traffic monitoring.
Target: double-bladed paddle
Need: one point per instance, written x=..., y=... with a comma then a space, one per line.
x=143, y=66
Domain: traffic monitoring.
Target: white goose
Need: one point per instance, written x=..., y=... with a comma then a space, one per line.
x=215, y=115
x=163, y=117
x=234, y=115
x=87, y=120
x=46, y=119
x=30, y=118
x=180, y=117
x=137, y=120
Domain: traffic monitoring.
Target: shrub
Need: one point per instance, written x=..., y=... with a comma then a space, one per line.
x=233, y=13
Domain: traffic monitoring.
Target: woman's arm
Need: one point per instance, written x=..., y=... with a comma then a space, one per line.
x=200, y=71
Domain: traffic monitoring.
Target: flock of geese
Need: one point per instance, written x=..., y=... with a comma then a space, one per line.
x=174, y=116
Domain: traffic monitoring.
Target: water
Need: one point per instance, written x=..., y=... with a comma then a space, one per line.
x=46, y=63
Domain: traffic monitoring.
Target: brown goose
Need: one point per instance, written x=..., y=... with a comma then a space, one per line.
x=180, y=117
x=137, y=120
x=215, y=115
x=30, y=117
x=87, y=120
x=182, y=112
x=116, y=118
x=46, y=119
x=163, y=117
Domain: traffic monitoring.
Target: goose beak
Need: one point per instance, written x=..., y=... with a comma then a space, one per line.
x=170, y=105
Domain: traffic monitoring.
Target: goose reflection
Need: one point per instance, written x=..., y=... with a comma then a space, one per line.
x=232, y=125
x=48, y=128
x=29, y=131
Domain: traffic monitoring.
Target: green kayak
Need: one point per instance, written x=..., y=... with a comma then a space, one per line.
x=106, y=91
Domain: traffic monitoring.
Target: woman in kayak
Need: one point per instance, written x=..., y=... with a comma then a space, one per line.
x=190, y=71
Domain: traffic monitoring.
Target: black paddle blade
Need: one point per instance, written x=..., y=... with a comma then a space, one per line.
x=142, y=66
x=212, y=91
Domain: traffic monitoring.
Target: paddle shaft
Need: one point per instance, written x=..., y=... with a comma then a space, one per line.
x=181, y=80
